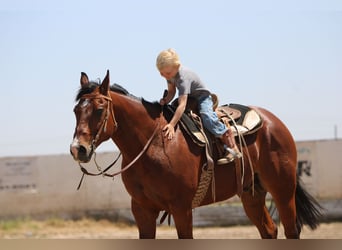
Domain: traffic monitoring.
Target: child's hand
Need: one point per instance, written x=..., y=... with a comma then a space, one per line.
x=169, y=131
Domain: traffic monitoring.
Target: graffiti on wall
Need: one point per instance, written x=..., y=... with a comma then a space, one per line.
x=18, y=175
x=304, y=163
x=304, y=168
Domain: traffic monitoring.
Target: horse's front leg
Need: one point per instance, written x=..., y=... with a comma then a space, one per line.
x=183, y=222
x=146, y=219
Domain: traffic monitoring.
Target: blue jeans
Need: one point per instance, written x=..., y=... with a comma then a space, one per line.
x=209, y=117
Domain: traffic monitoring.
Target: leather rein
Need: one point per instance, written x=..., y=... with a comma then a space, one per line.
x=103, y=128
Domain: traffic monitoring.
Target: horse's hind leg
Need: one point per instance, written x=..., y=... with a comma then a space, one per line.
x=257, y=212
x=283, y=191
x=286, y=206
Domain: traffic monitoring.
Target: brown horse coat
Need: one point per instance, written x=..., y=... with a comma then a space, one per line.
x=166, y=176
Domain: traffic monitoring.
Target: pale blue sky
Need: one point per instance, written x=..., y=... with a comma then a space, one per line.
x=285, y=56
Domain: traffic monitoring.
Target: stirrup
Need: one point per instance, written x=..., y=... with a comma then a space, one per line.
x=225, y=160
x=229, y=157
x=236, y=153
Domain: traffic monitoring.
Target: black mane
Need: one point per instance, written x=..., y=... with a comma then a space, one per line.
x=120, y=90
x=93, y=85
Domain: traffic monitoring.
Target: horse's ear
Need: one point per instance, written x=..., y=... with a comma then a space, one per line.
x=84, y=79
x=105, y=84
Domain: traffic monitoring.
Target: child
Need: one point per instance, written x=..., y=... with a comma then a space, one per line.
x=189, y=84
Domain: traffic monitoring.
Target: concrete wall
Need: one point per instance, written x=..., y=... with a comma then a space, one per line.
x=46, y=185
x=320, y=167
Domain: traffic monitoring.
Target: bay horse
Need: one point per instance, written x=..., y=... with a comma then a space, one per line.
x=163, y=175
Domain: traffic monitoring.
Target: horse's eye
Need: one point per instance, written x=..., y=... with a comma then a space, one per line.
x=99, y=111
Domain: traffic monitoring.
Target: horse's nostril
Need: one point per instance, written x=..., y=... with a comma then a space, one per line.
x=82, y=150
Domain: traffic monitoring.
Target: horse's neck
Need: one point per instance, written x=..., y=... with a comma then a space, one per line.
x=135, y=126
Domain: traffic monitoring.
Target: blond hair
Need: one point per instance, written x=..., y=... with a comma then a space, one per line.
x=167, y=57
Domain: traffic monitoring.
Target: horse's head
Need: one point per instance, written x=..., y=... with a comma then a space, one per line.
x=95, y=120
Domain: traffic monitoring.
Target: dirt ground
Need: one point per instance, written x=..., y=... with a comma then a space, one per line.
x=103, y=229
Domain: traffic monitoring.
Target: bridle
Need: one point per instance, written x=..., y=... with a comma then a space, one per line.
x=109, y=110
x=103, y=128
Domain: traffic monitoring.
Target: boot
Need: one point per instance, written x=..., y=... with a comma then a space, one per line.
x=232, y=152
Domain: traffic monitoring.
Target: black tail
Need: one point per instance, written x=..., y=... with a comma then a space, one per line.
x=307, y=207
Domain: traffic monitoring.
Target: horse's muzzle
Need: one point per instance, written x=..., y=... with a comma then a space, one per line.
x=81, y=153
